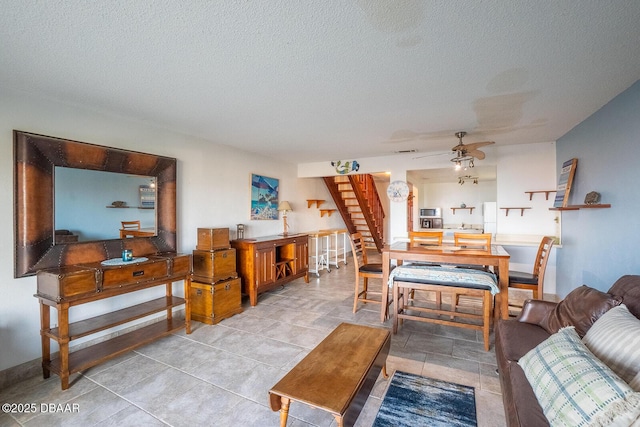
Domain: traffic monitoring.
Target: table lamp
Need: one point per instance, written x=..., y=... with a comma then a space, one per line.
x=285, y=207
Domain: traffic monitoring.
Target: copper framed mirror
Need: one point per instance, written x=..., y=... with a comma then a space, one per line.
x=35, y=160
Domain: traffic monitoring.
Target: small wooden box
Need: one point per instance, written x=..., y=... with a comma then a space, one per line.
x=213, y=238
x=210, y=303
x=213, y=266
x=68, y=283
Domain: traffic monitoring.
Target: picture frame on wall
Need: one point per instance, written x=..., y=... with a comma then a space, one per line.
x=564, y=183
x=264, y=197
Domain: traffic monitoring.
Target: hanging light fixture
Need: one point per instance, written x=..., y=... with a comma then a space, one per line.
x=462, y=179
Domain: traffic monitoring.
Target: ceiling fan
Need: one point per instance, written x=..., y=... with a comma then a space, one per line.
x=469, y=150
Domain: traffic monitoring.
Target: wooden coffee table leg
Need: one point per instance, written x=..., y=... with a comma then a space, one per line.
x=284, y=411
x=339, y=420
x=384, y=371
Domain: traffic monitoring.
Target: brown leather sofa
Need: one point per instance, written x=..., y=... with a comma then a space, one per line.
x=537, y=321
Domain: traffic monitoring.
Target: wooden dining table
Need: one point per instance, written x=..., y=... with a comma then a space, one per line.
x=495, y=256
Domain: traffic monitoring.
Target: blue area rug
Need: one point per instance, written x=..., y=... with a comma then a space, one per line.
x=413, y=401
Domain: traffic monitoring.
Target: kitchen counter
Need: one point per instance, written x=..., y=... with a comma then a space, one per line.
x=499, y=239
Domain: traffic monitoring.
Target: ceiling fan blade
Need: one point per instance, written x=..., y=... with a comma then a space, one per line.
x=430, y=155
x=476, y=153
x=475, y=145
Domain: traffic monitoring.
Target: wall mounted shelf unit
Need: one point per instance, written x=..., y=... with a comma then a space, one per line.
x=578, y=207
x=470, y=209
x=521, y=210
x=546, y=193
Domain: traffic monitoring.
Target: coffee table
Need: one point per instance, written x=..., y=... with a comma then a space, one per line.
x=336, y=376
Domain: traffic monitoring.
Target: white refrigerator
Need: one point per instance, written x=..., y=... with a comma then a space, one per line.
x=489, y=216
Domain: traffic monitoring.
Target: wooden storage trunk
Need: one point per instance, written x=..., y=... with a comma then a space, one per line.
x=213, y=266
x=68, y=283
x=213, y=238
x=210, y=303
x=180, y=263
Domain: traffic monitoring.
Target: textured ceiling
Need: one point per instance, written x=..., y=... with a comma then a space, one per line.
x=324, y=80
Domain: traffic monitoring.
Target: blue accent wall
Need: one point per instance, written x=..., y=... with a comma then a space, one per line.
x=600, y=245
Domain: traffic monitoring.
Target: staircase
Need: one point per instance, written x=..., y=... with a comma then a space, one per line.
x=358, y=202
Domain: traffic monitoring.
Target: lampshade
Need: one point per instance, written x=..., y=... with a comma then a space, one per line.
x=284, y=206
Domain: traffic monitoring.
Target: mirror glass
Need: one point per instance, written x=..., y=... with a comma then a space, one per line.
x=90, y=204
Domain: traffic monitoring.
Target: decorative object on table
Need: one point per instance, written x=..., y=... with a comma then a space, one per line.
x=398, y=191
x=239, y=231
x=463, y=205
x=413, y=400
x=592, y=198
x=120, y=261
x=118, y=204
x=127, y=255
x=285, y=207
x=564, y=183
x=264, y=197
x=345, y=167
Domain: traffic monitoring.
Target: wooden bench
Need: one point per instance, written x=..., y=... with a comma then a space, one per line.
x=443, y=279
x=336, y=376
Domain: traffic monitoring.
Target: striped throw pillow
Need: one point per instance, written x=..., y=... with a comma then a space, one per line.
x=574, y=388
x=615, y=339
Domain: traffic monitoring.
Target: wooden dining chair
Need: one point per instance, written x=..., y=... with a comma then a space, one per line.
x=366, y=270
x=130, y=225
x=426, y=237
x=473, y=240
x=534, y=281
x=478, y=241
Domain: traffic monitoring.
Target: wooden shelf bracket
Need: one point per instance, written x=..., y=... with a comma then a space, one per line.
x=317, y=202
x=508, y=209
x=546, y=193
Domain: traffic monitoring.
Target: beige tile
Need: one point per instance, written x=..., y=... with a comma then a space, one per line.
x=82, y=410
x=489, y=409
x=131, y=416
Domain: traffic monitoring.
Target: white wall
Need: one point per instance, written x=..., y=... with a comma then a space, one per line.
x=527, y=167
x=213, y=191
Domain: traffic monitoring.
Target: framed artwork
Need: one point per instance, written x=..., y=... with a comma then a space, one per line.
x=564, y=183
x=264, y=197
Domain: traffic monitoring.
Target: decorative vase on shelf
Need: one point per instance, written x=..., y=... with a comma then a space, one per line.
x=462, y=205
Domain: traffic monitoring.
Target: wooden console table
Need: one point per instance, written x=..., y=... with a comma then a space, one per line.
x=69, y=286
x=268, y=262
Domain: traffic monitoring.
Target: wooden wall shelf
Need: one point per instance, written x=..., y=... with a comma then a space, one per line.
x=578, y=207
x=508, y=209
x=546, y=193
x=326, y=211
x=317, y=202
x=468, y=208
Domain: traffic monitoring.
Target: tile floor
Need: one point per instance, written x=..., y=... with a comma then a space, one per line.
x=220, y=375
